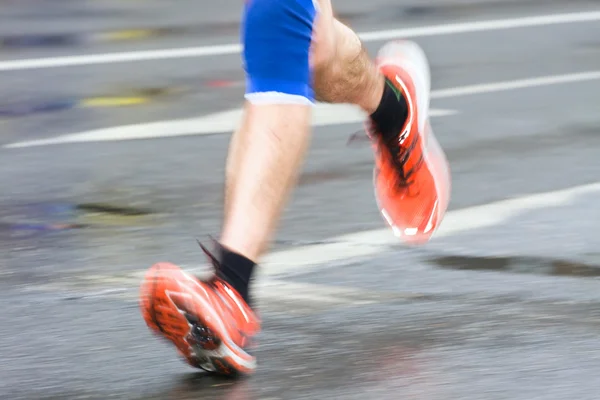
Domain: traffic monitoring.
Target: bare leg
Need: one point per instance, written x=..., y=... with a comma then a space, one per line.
x=262, y=168
x=267, y=151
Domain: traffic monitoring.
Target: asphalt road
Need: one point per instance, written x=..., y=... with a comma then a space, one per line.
x=503, y=305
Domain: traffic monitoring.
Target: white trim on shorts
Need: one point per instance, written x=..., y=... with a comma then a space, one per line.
x=317, y=7
x=277, y=98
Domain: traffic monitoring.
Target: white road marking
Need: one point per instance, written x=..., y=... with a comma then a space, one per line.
x=374, y=242
x=266, y=291
x=270, y=290
x=228, y=49
x=324, y=114
x=516, y=84
x=217, y=123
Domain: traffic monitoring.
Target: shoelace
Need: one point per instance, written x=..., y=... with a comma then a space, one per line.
x=398, y=154
x=400, y=157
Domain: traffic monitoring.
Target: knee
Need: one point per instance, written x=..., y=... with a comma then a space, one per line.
x=347, y=43
x=336, y=45
x=322, y=56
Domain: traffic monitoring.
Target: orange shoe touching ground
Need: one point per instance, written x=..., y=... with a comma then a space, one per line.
x=411, y=174
x=208, y=322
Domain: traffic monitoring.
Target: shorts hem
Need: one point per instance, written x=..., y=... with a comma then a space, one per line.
x=278, y=98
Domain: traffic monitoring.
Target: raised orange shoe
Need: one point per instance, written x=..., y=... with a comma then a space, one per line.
x=207, y=321
x=411, y=175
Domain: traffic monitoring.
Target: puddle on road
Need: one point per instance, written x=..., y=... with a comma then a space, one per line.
x=520, y=264
x=105, y=208
x=53, y=217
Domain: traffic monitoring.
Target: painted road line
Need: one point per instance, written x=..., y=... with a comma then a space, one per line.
x=276, y=289
x=267, y=291
x=374, y=242
x=516, y=84
x=229, y=49
x=217, y=123
x=324, y=114
x=114, y=101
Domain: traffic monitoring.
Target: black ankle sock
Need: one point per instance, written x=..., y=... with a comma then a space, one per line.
x=391, y=114
x=236, y=270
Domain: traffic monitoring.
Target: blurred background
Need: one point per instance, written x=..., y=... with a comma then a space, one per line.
x=115, y=117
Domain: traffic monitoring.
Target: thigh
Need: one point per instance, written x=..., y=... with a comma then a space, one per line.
x=277, y=36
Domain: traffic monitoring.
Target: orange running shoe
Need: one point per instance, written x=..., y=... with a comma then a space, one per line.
x=207, y=321
x=411, y=175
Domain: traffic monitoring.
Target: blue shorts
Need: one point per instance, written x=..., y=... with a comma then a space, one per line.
x=276, y=36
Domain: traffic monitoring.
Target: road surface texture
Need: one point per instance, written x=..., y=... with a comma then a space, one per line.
x=109, y=164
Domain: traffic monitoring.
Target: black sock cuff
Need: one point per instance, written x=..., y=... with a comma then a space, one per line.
x=389, y=96
x=236, y=270
x=391, y=114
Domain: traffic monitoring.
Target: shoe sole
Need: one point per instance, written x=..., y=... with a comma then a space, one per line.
x=219, y=358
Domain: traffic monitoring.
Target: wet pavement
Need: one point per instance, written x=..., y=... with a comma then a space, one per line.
x=502, y=305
